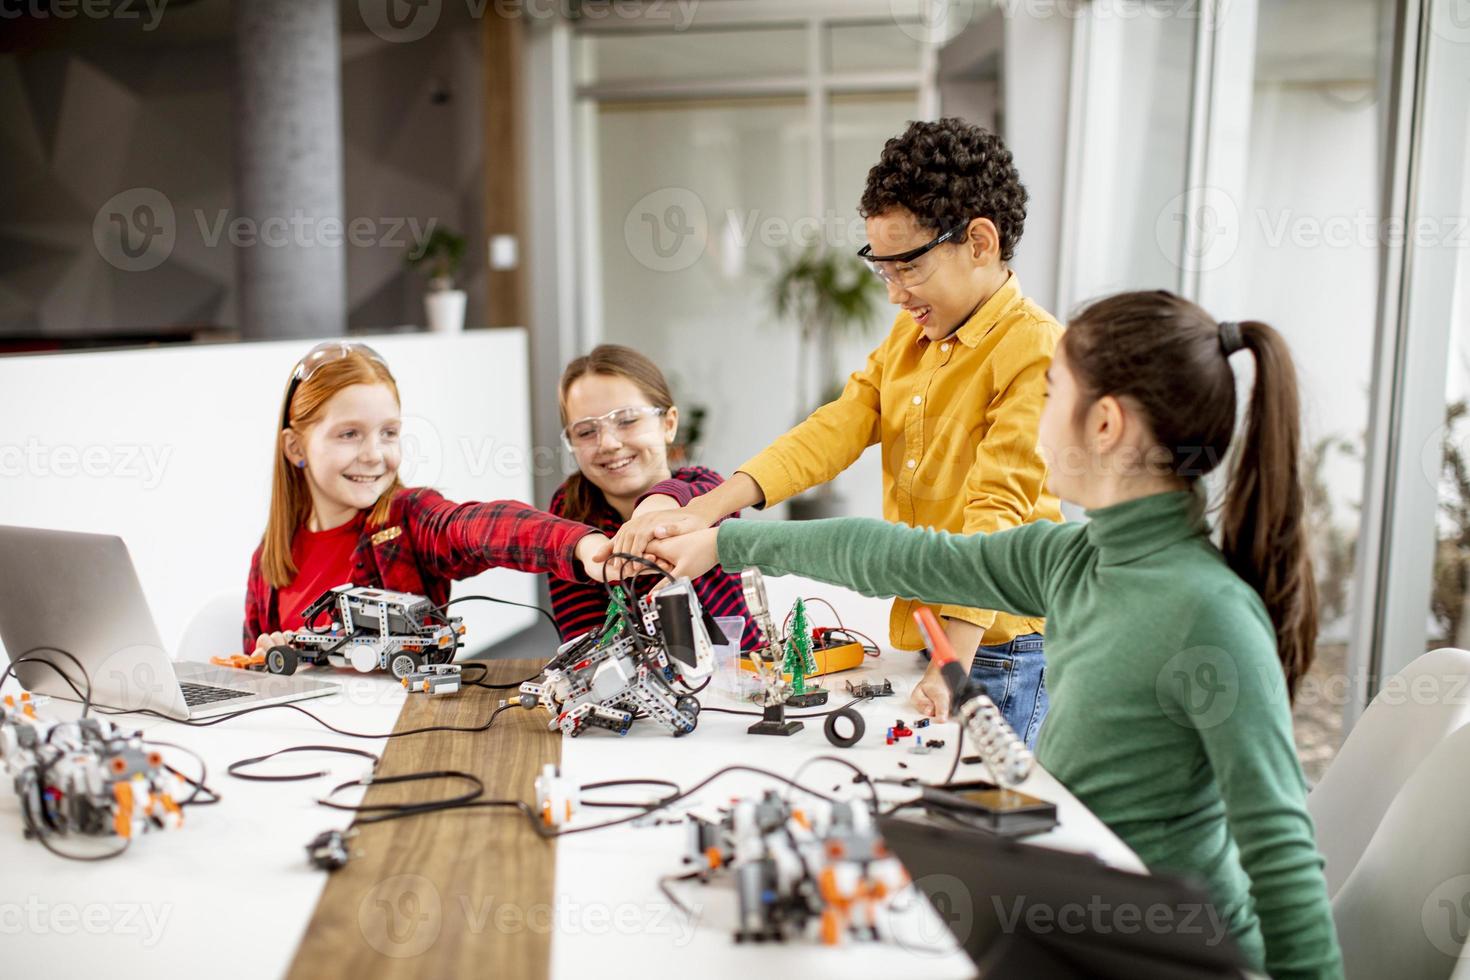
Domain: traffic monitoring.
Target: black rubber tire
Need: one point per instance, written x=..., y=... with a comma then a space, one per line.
x=687, y=703
x=281, y=660
x=844, y=741
x=414, y=663
x=693, y=717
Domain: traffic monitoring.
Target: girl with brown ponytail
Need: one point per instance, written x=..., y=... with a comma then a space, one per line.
x=1171, y=661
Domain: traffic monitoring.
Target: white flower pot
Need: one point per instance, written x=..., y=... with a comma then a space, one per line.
x=444, y=309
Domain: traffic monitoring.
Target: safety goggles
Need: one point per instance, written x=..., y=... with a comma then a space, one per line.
x=906, y=269
x=324, y=353
x=625, y=423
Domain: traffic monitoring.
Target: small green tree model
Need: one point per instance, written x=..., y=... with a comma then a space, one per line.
x=614, y=620
x=799, y=660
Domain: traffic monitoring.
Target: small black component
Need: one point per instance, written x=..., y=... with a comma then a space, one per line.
x=935, y=743
x=809, y=699
x=773, y=722
x=859, y=727
x=328, y=850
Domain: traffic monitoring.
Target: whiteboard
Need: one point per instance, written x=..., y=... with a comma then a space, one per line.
x=171, y=449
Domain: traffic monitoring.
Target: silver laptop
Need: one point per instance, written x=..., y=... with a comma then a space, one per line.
x=80, y=593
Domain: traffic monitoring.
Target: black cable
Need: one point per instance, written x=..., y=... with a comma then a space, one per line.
x=872, y=790
x=503, y=602
x=666, y=880
x=448, y=803
x=695, y=690
x=198, y=784
x=331, y=728
x=521, y=805
x=26, y=658
x=959, y=747
x=485, y=671
x=645, y=805
x=682, y=795
x=761, y=714
x=655, y=566
x=234, y=768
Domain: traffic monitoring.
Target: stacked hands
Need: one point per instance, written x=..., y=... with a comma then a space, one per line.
x=683, y=543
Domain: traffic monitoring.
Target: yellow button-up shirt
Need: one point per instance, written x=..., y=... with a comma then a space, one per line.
x=957, y=419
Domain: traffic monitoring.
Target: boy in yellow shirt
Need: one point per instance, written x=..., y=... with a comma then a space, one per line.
x=954, y=394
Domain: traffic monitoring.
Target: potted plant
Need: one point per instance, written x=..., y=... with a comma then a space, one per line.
x=831, y=296
x=439, y=256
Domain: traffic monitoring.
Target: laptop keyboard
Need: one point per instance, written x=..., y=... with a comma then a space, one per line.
x=197, y=694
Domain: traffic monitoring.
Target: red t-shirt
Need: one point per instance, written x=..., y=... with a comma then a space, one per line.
x=323, y=559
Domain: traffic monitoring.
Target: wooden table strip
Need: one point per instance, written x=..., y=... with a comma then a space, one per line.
x=460, y=893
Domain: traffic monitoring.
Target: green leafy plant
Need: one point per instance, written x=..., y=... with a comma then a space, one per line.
x=830, y=296
x=1333, y=546
x=439, y=256
x=1451, y=588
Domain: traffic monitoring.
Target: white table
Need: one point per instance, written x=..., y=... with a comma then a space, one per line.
x=610, y=910
x=231, y=892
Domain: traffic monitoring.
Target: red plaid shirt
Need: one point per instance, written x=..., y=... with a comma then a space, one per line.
x=428, y=542
x=580, y=606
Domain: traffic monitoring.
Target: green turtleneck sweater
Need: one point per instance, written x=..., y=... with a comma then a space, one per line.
x=1169, y=716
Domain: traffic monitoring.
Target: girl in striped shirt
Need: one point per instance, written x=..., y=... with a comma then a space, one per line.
x=620, y=420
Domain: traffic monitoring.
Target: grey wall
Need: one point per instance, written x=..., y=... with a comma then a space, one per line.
x=95, y=131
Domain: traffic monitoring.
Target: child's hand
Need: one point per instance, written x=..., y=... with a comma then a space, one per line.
x=931, y=695
x=688, y=555
x=593, y=551
x=653, y=519
x=265, y=641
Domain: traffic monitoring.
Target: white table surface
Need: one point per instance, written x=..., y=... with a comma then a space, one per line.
x=232, y=889
x=610, y=910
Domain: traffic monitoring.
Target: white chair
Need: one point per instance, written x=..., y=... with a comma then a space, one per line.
x=1413, y=712
x=1405, y=909
x=215, y=629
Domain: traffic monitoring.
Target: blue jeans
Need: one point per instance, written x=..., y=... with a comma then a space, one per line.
x=1014, y=675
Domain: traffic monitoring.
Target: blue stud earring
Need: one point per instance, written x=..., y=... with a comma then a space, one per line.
x=301, y=464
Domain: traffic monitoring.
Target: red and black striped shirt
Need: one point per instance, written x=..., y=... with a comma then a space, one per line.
x=429, y=542
x=580, y=606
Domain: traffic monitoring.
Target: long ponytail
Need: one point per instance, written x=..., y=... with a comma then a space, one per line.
x=1173, y=360
x=1263, y=527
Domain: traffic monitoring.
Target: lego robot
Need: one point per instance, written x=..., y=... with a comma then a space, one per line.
x=370, y=629
x=86, y=777
x=791, y=871
x=608, y=677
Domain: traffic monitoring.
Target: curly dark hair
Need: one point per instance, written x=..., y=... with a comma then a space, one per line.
x=947, y=172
